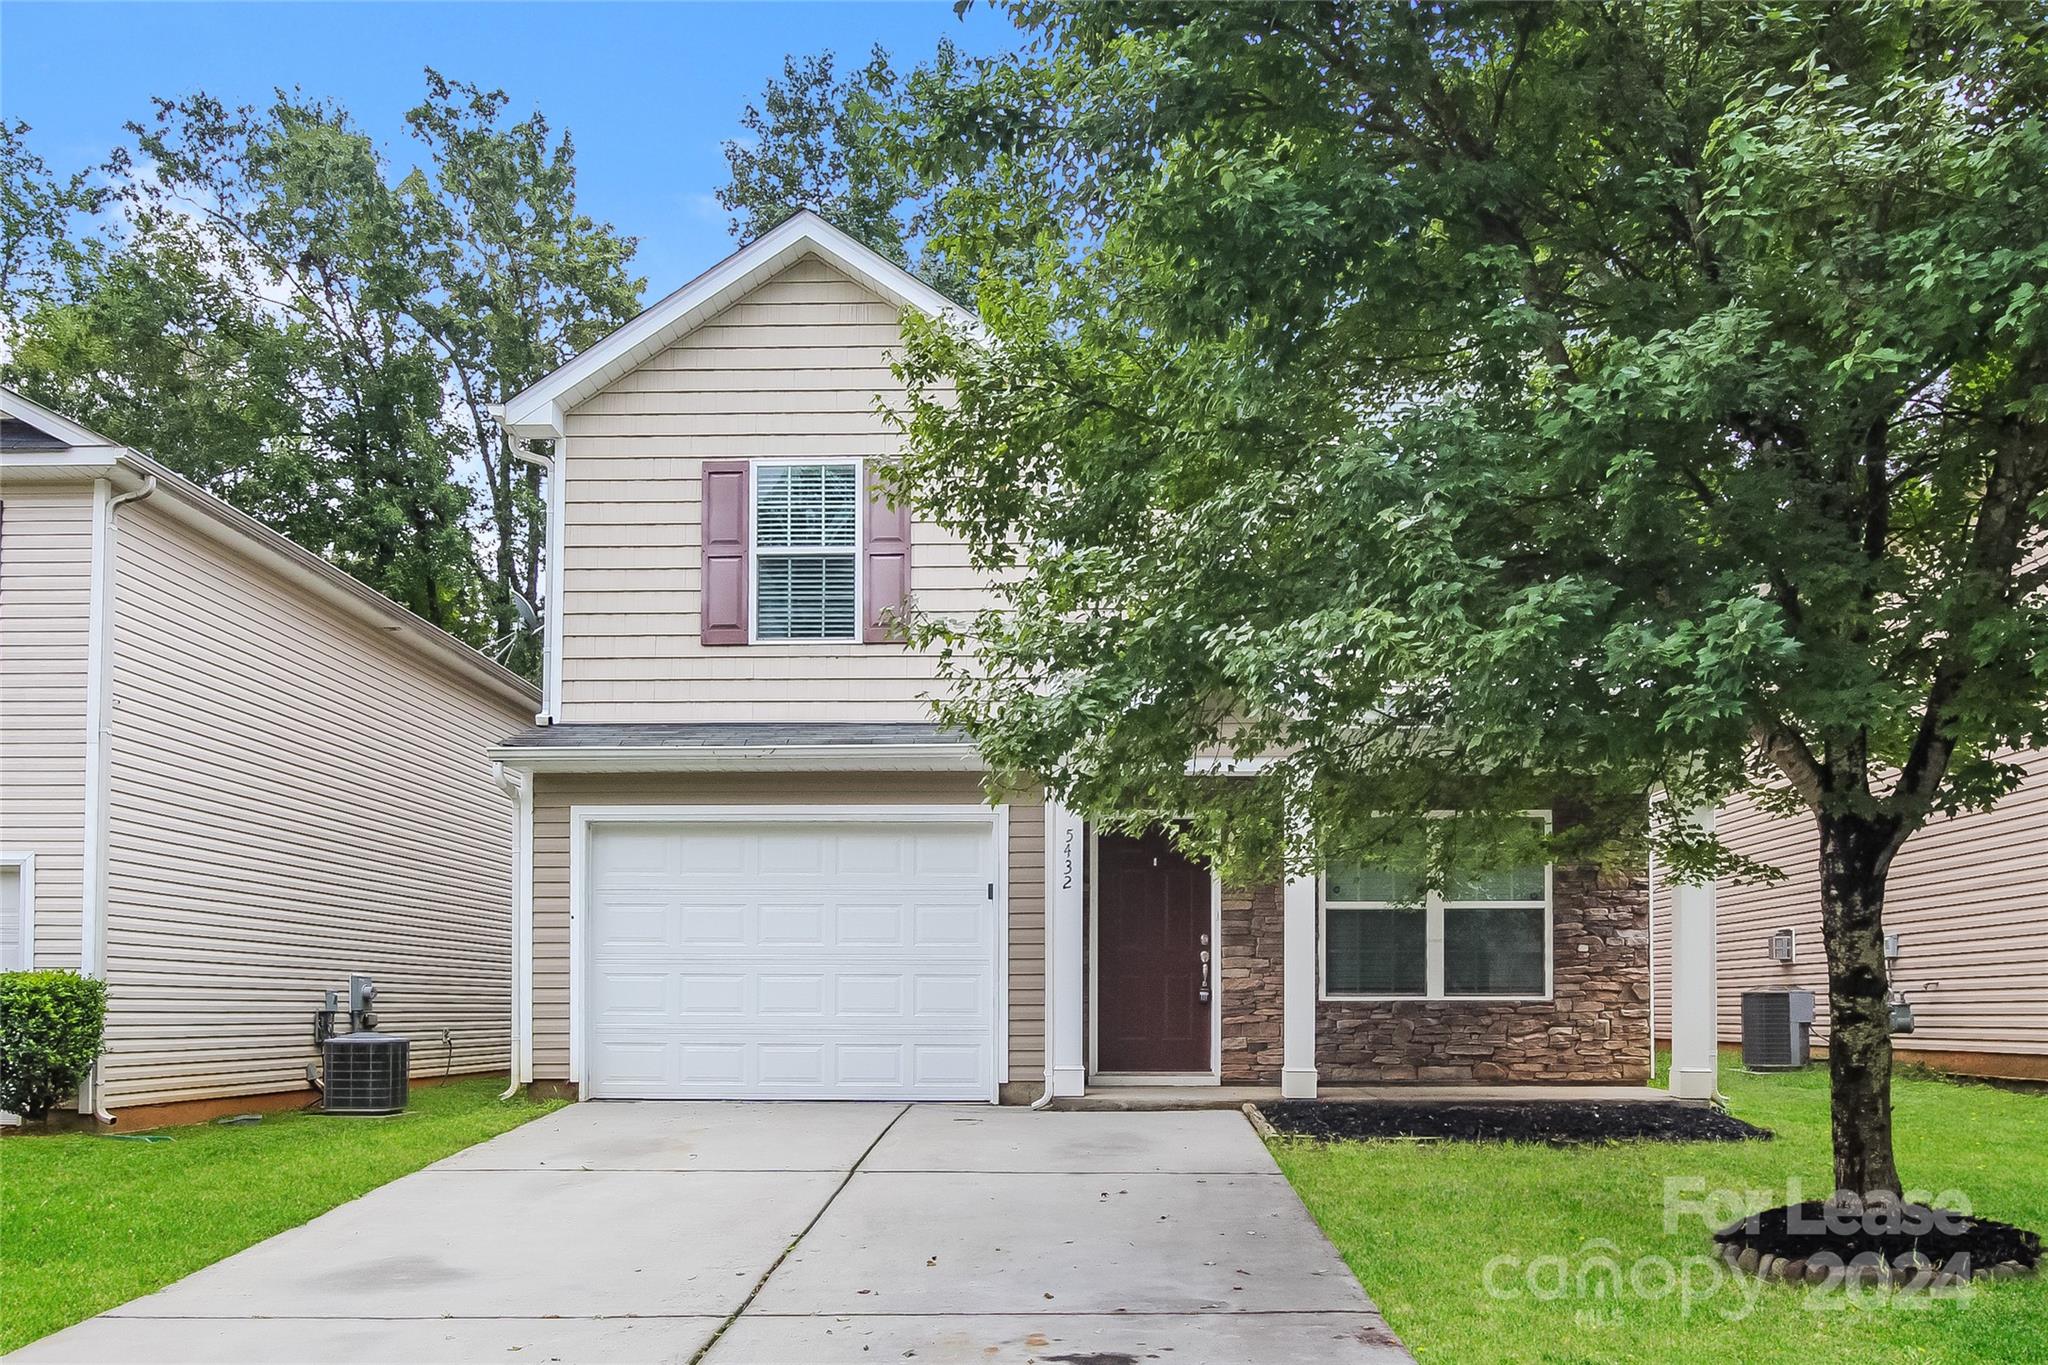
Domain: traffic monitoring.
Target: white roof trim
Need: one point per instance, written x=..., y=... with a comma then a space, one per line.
x=63, y=428
x=1228, y=767
x=787, y=758
x=96, y=457
x=537, y=412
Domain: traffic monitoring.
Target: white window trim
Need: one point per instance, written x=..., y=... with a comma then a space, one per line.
x=853, y=551
x=26, y=862
x=1433, y=907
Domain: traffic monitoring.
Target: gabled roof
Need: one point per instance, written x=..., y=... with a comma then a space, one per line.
x=537, y=412
x=70, y=453
x=31, y=426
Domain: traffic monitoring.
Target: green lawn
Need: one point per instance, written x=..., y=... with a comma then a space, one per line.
x=1418, y=1223
x=90, y=1221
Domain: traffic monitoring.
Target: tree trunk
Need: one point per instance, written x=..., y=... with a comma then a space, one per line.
x=1855, y=856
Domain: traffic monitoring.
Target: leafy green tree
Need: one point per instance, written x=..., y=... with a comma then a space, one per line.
x=519, y=281
x=851, y=146
x=36, y=213
x=819, y=140
x=275, y=310
x=1472, y=403
x=293, y=207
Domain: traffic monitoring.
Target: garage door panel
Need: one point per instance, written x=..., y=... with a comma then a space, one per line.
x=794, y=1068
x=939, y=1066
x=824, y=960
x=642, y=994
x=793, y=926
x=785, y=993
x=627, y=929
x=938, y=995
x=871, y=995
x=713, y=995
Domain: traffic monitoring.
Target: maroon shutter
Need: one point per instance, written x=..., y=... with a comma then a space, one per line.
x=885, y=561
x=723, y=610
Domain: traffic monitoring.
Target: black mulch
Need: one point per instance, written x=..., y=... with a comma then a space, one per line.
x=1800, y=1232
x=1560, y=1123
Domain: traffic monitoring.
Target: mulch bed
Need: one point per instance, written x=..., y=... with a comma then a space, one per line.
x=1559, y=1123
x=1905, y=1244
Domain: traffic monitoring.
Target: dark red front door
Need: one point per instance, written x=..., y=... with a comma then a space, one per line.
x=1151, y=1008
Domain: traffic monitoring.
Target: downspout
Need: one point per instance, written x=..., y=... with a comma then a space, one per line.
x=92, y=939
x=518, y=788
x=1051, y=986
x=551, y=622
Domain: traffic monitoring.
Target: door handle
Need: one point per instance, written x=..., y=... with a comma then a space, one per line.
x=1204, y=994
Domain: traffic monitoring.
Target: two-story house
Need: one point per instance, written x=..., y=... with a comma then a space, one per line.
x=754, y=867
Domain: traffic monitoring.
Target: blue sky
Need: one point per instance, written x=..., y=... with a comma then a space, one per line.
x=650, y=91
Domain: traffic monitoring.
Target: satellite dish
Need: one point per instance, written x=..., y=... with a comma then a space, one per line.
x=528, y=617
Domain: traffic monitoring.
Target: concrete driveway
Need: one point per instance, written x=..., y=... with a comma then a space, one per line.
x=789, y=1233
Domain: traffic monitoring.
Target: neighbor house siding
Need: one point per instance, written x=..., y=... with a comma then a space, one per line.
x=296, y=795
x=795, y=368
x=45, y=605
x=556, y=796
x=1968, y=898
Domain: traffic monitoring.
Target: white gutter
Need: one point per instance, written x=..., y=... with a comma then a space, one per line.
x=518, y=788
x=551, y=549
x=99, y=674
x=694, y=758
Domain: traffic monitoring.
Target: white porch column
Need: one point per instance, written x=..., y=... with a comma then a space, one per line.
x=1695, y=1041
x=1066, y=960
x=1298, y=989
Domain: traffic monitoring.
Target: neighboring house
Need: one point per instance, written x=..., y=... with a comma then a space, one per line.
x=1968, y=899
x=758, y=870
x=231, y=775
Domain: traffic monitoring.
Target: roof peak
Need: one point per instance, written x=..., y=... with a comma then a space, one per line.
x=537, y=411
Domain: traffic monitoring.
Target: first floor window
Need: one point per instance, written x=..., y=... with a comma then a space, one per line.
x=1387, y=932
x=806, y=521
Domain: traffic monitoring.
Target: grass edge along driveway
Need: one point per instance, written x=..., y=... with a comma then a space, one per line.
x=91, y=1221
x=1565, y=1229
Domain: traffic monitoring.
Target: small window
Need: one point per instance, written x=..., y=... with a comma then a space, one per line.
x=806, y=546
x=17, y=914
x=1487, y=934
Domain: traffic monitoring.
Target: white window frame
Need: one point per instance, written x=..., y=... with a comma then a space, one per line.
x=853, y=551
x=26, y=864
x=1432, y=909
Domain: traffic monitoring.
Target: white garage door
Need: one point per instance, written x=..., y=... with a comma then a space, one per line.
x=801, y=960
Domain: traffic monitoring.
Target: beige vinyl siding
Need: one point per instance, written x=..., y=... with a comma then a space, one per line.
x=45, y=606
x=1027, y=939
x=554, y=796
x=295, y=795
x=794, y=368
x=1968, y=896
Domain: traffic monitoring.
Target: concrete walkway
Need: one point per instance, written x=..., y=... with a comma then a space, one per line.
x=789, y=1233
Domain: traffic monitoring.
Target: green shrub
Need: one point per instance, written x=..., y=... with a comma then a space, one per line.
x=50, y=1028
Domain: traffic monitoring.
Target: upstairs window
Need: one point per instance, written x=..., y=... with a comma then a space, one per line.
x=806, y=546
x=1486, y=934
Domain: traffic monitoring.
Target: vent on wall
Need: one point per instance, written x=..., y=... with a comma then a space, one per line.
x=1781, y=946
x=1775, y=1028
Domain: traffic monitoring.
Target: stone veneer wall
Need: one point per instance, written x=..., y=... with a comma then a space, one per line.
x=1595, y=1029
x=1249, y=979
